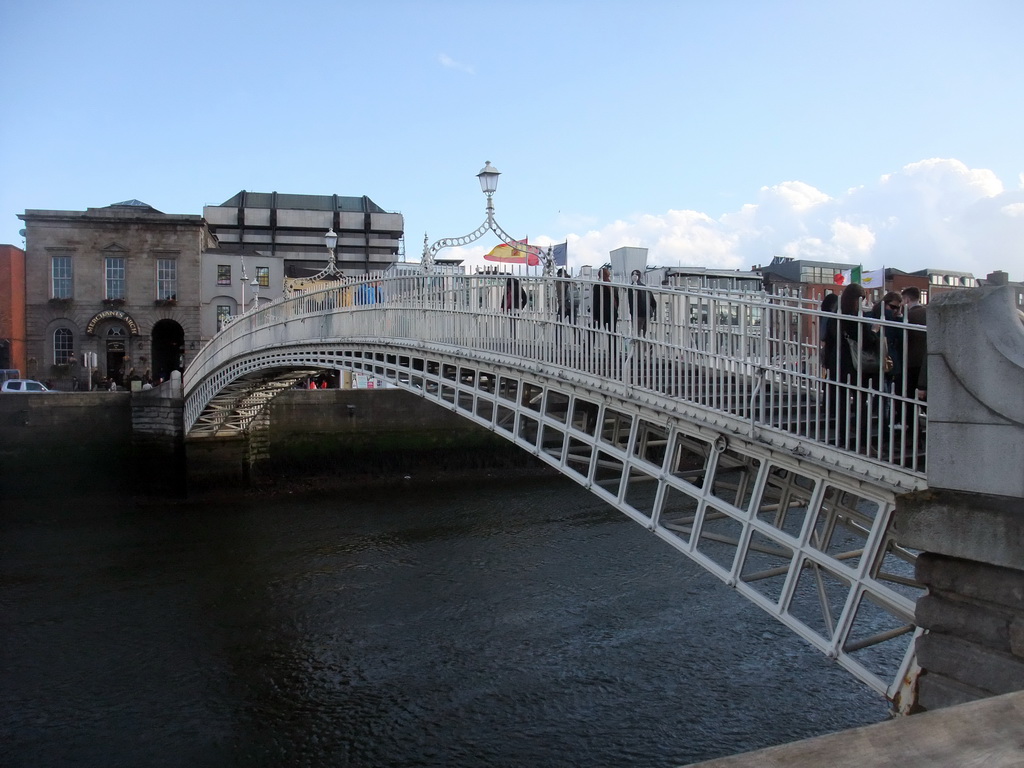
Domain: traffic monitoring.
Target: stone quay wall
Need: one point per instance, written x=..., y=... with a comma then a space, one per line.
x=369, y=435
x=60, y=444
x=345, y=435
x=158, y=439
x=969, y=524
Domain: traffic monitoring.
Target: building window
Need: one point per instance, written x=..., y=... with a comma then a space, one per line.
x=63, y=346
x=223, y=314
x=263, y=276
x=115, y=277
x=166, y=279
x=223, y=274
x=61, y=271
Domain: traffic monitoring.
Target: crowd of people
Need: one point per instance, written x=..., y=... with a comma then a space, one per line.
x=858, y=358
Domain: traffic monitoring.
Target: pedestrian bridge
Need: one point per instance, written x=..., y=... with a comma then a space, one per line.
x=710, y=423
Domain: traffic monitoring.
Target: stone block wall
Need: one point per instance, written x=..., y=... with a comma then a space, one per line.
x=158, y=439
x=59, y=445
x=974, y=607
x=969, y=524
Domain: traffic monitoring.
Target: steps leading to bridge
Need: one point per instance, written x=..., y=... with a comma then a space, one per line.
x=989, y=733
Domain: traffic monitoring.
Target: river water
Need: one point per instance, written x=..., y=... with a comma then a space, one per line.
x=477, y=623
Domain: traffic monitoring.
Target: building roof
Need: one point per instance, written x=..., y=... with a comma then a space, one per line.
x=133, y=203
x=277, y=200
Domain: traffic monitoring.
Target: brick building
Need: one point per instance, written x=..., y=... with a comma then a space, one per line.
x=12, y=308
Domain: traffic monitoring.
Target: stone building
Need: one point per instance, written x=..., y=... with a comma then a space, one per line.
x=233, y=281
x=111, y=290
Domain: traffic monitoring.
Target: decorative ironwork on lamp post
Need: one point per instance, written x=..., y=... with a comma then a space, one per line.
x=331, y=270
x=488, y=177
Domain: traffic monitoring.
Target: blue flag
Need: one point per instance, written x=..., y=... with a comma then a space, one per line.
x=560, y=254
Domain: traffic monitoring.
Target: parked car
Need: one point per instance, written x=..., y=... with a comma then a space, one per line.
x=23, y=386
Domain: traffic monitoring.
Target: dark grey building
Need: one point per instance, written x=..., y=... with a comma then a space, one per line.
x=292, y=227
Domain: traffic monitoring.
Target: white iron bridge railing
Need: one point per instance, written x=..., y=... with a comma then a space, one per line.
x=712, y=419
x=758, y=358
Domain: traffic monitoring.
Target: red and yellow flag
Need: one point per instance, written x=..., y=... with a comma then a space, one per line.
x=509, y=254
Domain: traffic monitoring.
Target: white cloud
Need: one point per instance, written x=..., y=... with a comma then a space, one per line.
x=449, y=63
x=930, y=214
x=933, y=213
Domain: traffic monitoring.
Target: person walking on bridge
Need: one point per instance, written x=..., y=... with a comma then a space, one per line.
x=606, y=302
x=915, y=351
x=513, y=300
x=642, y=304
x=855, y=376
x=605, y=310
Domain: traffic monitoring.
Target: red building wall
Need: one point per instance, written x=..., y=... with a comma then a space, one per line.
x=12, y=307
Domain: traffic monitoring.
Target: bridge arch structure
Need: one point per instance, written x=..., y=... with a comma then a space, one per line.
x=711, y=427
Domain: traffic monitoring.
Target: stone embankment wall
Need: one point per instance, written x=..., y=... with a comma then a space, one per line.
x=56, y=444
x=60, y=444
x=377, y=432
x=970, y=522
x=158, y=439
x=351, y=436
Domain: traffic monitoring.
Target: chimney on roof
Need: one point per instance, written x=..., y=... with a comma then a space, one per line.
x=997, y=278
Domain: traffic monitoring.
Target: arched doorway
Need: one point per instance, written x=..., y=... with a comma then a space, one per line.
x=116, y=349
x=168, y=349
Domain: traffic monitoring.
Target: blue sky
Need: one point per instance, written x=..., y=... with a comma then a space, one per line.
x=712, y=133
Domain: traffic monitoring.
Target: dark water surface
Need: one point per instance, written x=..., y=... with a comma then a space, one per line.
x=489, y=623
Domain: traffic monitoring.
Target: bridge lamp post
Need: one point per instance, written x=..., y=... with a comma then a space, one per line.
x=330, y=272
x=488, y=178
x=243, y=280
x=331, y=241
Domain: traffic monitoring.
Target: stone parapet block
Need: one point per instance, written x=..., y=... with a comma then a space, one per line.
x=970, y=663
x=970, y=526
x=975, y=376
x=987, y=584
x=988, y=626
x=935, y=691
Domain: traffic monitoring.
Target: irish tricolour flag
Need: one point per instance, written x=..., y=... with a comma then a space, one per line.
x=869, y=280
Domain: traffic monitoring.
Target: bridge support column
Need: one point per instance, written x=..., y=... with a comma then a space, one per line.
x=970, y=522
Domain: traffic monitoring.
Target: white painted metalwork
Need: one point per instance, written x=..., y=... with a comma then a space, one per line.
x=710, y=424
x=488, y=177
